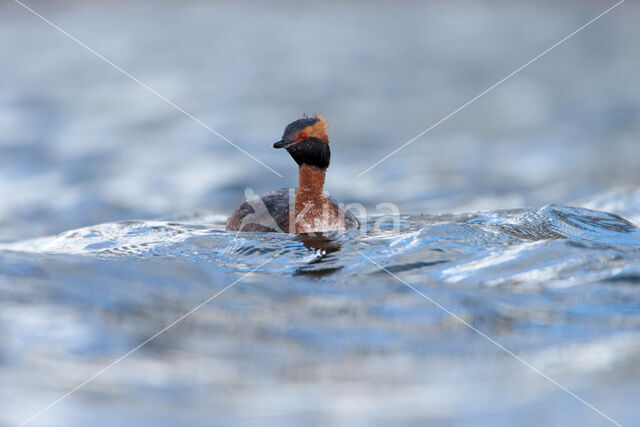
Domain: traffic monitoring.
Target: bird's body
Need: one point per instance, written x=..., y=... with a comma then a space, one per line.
x=271, y=212
x=297, y=210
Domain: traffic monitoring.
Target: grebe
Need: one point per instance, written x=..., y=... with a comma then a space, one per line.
x=305, y=209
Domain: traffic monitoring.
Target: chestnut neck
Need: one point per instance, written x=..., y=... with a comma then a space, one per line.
x=310, y=203
x=310, y=181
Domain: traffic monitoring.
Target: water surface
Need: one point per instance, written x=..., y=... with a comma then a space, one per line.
x=518, y=214
x=317, y=332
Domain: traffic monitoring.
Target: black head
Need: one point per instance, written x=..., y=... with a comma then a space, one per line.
x=307, y=142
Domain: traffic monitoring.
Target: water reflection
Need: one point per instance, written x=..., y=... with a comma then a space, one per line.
x=526, y=277
x=325, y=249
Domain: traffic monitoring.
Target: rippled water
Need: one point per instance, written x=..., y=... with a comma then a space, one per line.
x=546, y=247
x=317, y=333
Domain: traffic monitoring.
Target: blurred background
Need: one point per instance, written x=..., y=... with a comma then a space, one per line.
x=83, y=144
x=80, y=143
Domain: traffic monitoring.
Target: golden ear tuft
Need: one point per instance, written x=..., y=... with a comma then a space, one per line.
x=322, y=119
x=303, y=116
x=318, y=129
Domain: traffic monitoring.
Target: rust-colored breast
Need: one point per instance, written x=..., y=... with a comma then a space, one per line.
x=273, y=212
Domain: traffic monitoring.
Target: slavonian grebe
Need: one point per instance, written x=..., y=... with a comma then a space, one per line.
x=307, y=142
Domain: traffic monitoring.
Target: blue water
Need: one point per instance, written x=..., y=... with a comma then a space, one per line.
x=519, y=215
x=317, y=323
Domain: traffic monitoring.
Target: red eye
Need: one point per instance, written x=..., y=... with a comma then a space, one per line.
x=302, y=136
